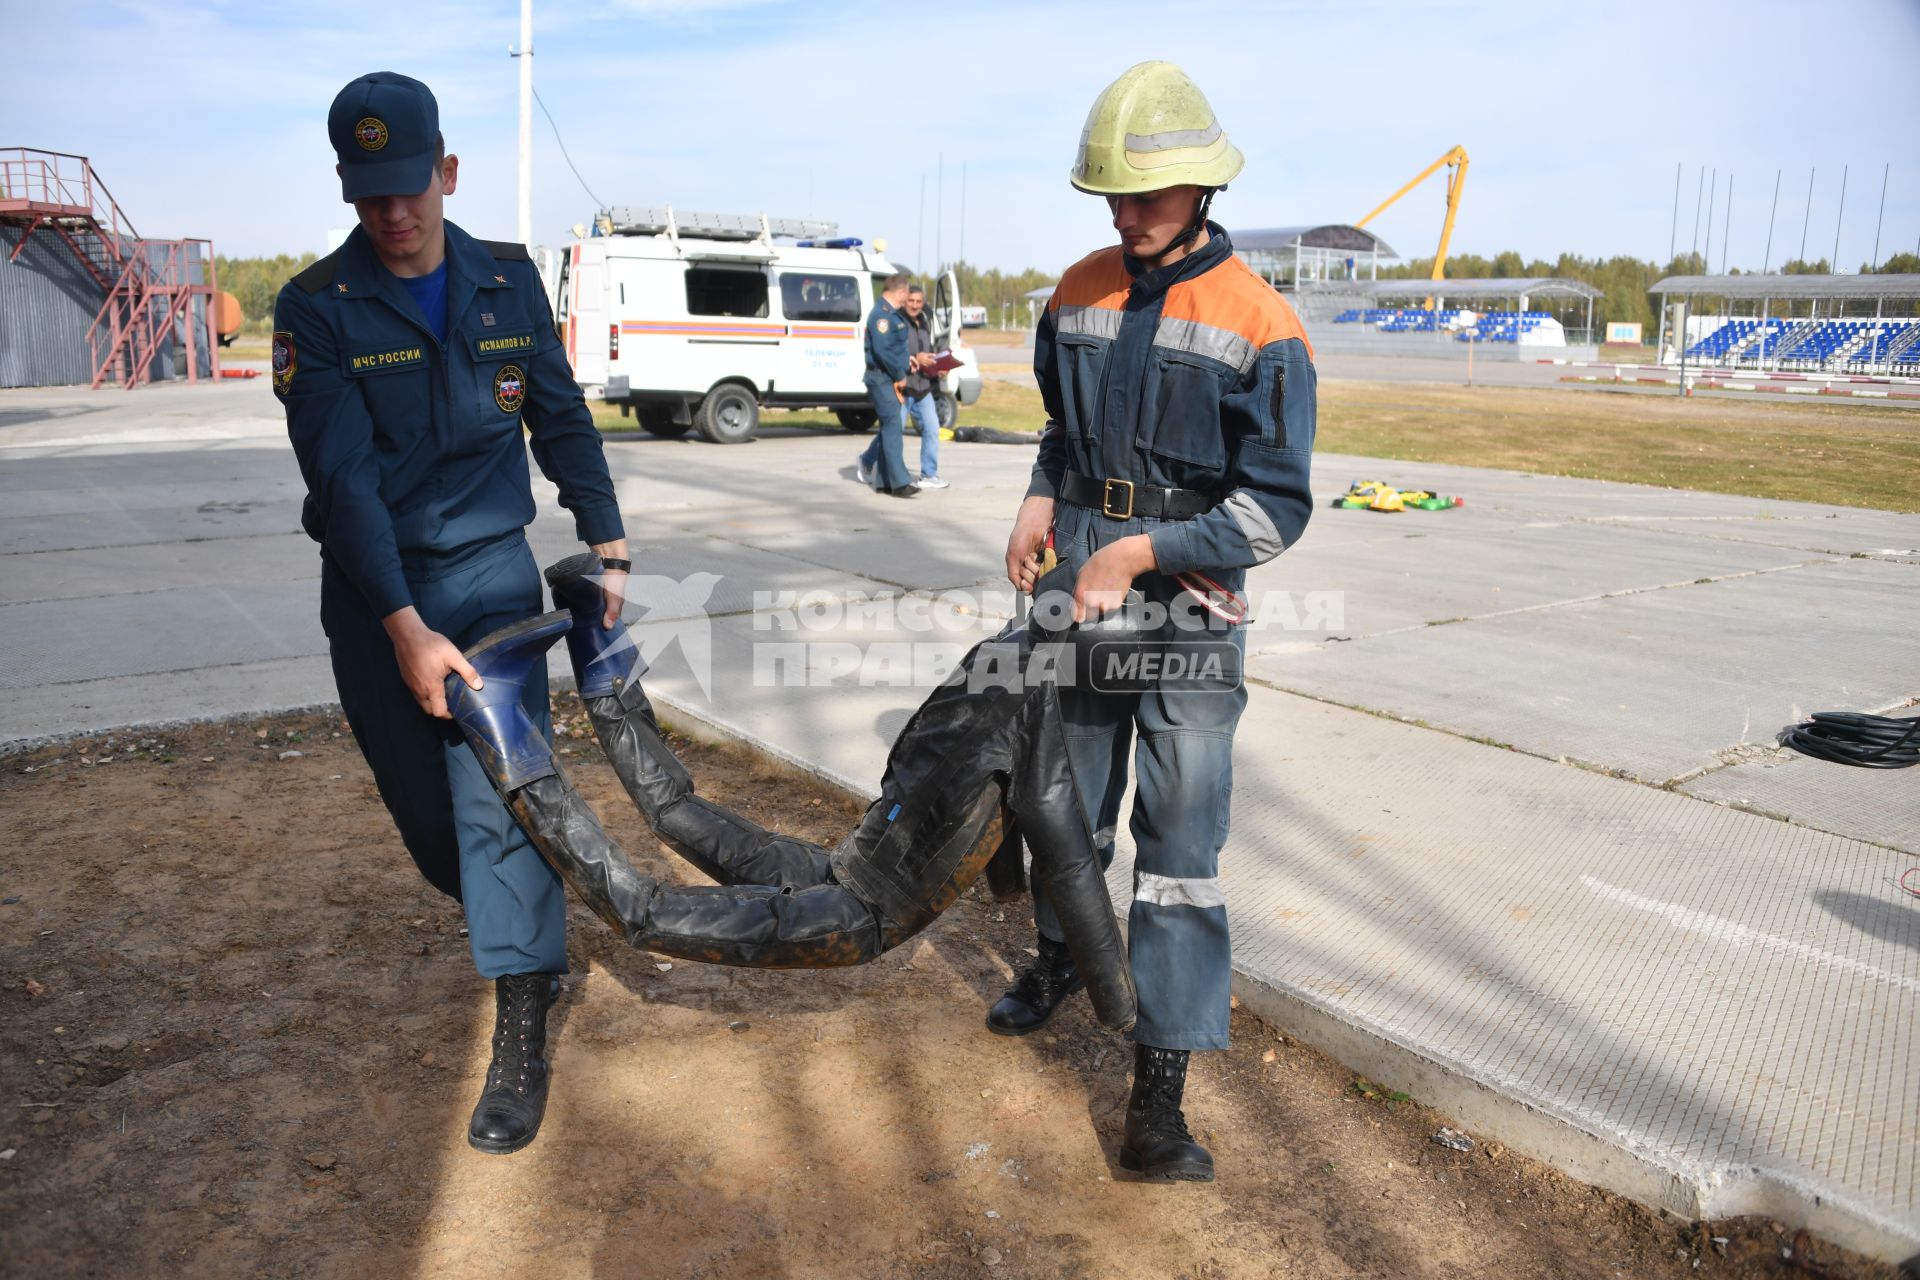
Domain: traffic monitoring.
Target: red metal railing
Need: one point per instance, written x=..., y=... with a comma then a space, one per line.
x=148, y=283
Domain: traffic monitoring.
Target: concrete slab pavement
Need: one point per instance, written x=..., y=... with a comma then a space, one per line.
x=1708, y=1008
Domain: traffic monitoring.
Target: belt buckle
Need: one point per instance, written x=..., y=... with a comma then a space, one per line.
x=1106, y=499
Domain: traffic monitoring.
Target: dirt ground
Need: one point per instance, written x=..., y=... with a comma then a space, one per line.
x=243, y=1038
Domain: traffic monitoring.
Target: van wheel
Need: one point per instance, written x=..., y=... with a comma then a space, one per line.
x=729, y=414
x=857, y=419
x=946, y=410
x=659, y=422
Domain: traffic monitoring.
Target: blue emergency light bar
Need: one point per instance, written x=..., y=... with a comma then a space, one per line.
x=845, y=242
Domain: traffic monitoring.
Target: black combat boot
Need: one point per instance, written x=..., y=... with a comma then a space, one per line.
x=509, y=1111
x=1158, y=1144
x=1031, y=1001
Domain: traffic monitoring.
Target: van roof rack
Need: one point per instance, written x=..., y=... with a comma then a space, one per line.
x=665, y=220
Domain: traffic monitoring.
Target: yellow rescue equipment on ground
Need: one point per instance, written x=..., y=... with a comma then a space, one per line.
x=1378, y=495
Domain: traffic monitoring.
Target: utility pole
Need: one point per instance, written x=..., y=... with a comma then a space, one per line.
x=1699, y=194
x=939, y=209
x=525, y=54
x=1883, y=214
x=1726, y=227
x=963, y=211
x=1767, y=259
x=920, y=234
x=1673, y=228
x=1807, y=217
x=1713, y=196
x=1833, y=264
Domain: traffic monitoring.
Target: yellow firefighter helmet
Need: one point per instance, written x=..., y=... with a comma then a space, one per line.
x=1149, y=130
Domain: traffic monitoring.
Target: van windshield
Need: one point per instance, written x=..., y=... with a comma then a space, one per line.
x=812, y=296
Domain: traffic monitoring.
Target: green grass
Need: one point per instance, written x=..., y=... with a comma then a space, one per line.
x=1856, y=455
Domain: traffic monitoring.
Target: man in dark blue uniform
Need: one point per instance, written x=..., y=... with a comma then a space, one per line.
x=884, y=464
x=407, y=362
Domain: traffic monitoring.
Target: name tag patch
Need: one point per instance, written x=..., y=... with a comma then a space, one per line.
x=362, y=363
x=495, y=345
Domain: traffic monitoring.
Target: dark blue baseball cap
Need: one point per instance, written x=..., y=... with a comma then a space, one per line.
x=384, y=128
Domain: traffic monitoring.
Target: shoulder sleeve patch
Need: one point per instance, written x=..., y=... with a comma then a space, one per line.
x=285, y=362
x=316, y=277
x=506, y=250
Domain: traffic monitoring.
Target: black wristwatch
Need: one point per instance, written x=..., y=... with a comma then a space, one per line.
x=622, y=566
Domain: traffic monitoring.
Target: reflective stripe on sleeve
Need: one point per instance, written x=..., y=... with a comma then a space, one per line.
x=1263, y=540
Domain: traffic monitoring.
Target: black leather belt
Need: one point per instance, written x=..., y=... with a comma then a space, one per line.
x=1124, y=499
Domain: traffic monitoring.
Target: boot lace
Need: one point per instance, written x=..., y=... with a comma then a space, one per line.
x=514, y=1052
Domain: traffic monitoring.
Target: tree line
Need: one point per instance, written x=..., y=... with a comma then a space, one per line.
x=255, y=283
x=1623, y=282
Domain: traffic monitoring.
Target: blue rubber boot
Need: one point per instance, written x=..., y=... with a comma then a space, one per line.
x=603, y=660
x=506, y=742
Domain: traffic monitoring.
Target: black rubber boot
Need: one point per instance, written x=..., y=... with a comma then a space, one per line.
x=508, y=1115
x=1037, y=994
x=1158, y=1145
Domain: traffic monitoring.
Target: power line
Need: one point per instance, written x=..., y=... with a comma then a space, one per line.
x=598, y=203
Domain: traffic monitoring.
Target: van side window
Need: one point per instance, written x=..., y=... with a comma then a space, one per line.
x=819, y=297
x=726, y=291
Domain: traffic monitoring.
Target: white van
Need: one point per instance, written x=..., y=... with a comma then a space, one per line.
x=699, y=320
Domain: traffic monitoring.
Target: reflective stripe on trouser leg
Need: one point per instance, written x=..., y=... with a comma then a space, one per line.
x=515, y=903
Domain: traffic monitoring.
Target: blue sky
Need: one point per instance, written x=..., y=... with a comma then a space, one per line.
x=208, y=119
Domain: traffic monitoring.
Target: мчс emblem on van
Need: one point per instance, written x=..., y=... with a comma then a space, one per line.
x=510, y=388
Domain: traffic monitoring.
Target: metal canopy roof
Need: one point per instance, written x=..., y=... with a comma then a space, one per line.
x=1461, y=290
x=1333, y=235
x=1786, y=287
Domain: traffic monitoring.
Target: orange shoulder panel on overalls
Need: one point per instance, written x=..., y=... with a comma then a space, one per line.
x=1233, y=298
x=1098, y=280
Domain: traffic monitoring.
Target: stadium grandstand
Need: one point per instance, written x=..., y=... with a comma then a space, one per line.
x=1827, y=324
x=1484, y=319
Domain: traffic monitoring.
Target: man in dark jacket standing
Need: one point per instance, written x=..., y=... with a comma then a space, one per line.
x=883, y=465
x=407, y=362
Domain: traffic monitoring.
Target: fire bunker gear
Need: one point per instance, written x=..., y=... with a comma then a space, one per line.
x=1194, y=377
x=984, y=751
x=417, y=491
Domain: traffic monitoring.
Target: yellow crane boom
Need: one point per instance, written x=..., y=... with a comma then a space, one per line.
x=1457, y=160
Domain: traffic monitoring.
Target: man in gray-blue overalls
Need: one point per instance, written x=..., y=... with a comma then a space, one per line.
x=884, y=465
x=1180, y=393
x=407, y=361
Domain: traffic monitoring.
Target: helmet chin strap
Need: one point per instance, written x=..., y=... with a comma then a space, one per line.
x=1192, y=231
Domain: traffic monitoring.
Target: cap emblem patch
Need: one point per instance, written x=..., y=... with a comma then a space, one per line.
x=371, y=134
